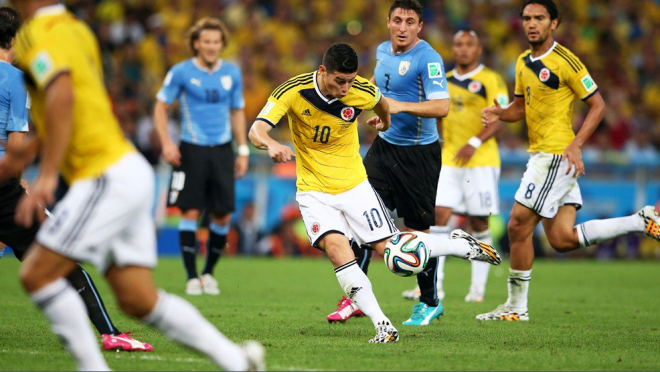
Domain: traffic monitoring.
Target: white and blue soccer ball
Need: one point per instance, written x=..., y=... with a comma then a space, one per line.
x=406, y=254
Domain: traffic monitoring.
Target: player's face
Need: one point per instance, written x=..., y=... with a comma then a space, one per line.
x=337, y=83
x=208, y=46
x=466, y=49
x=537, y=24
x=404, y=25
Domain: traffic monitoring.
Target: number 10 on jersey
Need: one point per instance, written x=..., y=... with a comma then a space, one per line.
x=324, y=135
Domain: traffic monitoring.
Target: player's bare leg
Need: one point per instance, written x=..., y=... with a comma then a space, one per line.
x=177, y=319
x=42, y=275
x=356, y=284
x=521, y=227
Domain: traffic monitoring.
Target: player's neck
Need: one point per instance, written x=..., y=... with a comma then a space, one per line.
x=201, y=63
x=466, y=69
x=324, y=90
x=405, y=48
x=28, y=8
x=541, y=49
x=5, y=56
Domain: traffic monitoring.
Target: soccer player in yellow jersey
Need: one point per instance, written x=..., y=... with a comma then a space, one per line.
x=548, y=79
x=336, y=200
x=105, y=217
x=468, y=182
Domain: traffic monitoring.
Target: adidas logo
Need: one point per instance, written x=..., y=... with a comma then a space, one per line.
x=306, y=113
x=354, y=291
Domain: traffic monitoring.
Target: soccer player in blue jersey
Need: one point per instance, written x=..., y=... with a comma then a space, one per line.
x=14, y=105
x=403, y=164
x=210, y=94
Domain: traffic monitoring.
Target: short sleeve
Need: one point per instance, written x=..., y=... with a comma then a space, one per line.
x=275, y=109
x=237, y=99
x=369, y=94
x=19, y=103
x=46, y=61
x=519, y=91
x=432, y=73
x=172, y=87
x=497, y=90
x=579, y=79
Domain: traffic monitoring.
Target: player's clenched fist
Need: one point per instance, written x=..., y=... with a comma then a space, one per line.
x=280, y=153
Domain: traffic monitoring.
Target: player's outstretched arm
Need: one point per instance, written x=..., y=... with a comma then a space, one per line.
x=171, y=152
x=514, y=112
x=435, y=108
x=262, y=140
x=382, y=121
x=18, y=154
x=239, y=129
x=572, y=152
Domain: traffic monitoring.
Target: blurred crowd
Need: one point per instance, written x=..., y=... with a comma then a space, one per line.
x=273, y=40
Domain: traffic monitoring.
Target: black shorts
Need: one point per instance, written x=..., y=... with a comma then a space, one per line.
x=17, y=238
x=204, y=180
x=406, y=177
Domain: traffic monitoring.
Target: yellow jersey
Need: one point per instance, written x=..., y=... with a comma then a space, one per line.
x=53, y=42
x=470, y=93
x=549, y=85
x=324, y=131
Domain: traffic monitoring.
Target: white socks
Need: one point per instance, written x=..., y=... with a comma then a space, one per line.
x=518, y=289
x=358, y=288
x=180, y=321
x=596, y=231
x=443, y=246
x=480, y=269
x=68, y=318
x=441, y=232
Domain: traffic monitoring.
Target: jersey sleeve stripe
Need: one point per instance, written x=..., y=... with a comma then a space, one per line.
x=570, y=55
x=574, y=65
x=281, y=93
x=589, y=95
x=364, y=90
x=366, y=85
x=266, y=121
x=289, y=82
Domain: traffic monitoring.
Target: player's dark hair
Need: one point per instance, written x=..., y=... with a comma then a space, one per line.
x=340, y=58
x=10, y=22
x=413, y=5
x=549, y=5
x=207, y=23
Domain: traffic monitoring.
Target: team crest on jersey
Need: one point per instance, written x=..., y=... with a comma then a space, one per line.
x=226, y=82
x=544, y=75
x=404, y=66
x=474, y=86
x=316, y=228
x=347, y=113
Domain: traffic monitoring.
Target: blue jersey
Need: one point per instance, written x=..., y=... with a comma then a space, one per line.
x=14, y=103
x=205, y=100
x=416, y=75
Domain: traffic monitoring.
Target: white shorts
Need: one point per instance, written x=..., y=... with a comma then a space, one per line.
x=545, y=186
x=357, y=213
x=469, y=191
x=107, y=220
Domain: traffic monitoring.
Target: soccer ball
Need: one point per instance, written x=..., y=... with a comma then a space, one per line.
x=406, y=254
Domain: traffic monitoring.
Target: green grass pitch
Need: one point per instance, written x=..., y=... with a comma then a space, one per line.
x=585, y=315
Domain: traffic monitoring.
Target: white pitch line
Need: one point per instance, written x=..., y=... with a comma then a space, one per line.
x=158, y=358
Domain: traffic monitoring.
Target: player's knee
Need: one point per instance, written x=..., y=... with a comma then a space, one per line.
x=221, y=219
x=190, y=214
x=133, y=306
x=31, y=279
x=442, y=216
x=515, y=229
x=562, y=243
